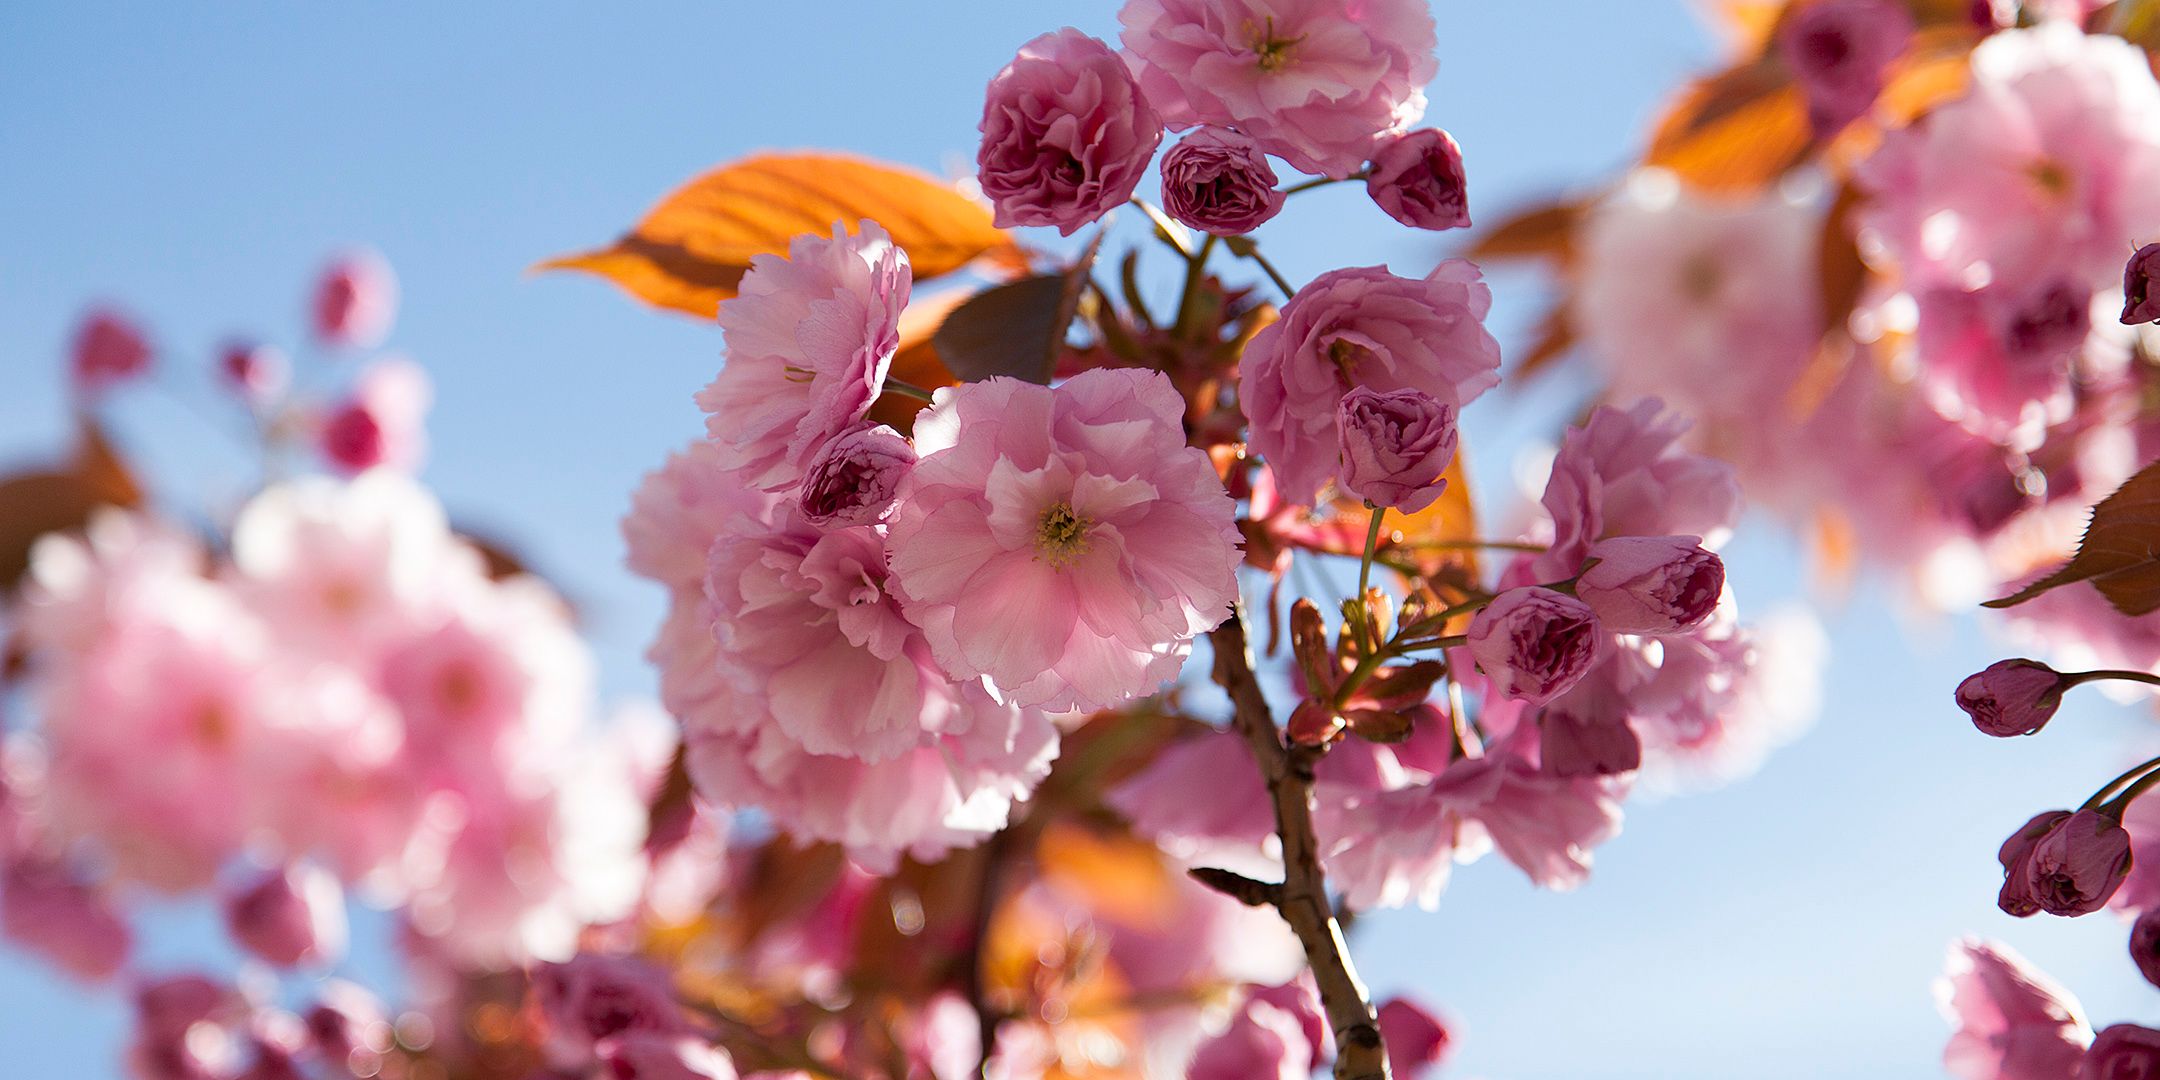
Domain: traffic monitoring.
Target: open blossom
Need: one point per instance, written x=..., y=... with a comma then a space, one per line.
x=1064, y=542
x=2012, y=1021
x=291, y=915
x=1651, y=584
x=1361, y=327
x=1417, y=1041
x=1395, y=445
x=2011, y=697
x=1623, y=473
x=2122, y=1052
x=355, y=300
x=1263, y=1042
x=1318, y=84
x=1534, y=643
x=1418, y=179
x=809, y=340
x=856, y=478
x=593, y=996
x=1838, y=51
x=1218, y=181
x=1067, y=134
x=108, y=350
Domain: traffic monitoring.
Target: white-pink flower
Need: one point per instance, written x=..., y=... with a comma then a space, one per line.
x=809, y=340
x=2012, y=1022
x=1064, y=542
x=1320, y=83
x=1624, y=474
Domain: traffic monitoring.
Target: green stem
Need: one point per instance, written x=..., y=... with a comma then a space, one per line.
x=2073, y=678
x=1195, y=272
x=1272, y=273
x=2121, y=803
x=907, y=389
x=1320, y=182
x=2101, y=795
x=1372, y=544
x=1478, y=545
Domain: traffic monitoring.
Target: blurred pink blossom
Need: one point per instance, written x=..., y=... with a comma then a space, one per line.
x=1066, y=134
x=2011, y=1021
x=355, y=300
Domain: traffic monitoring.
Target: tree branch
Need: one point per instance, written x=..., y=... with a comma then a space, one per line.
x=1302, y=898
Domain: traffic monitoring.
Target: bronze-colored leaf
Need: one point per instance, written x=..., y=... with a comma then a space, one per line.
x=690, y=252
x=33, y=504
x=1555, y=336
x=1841, y=273
x=1017, y=328
x=1736, y=131
x=2120, y=553
x=1542, y=231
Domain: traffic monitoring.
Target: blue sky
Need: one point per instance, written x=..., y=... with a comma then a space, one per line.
x=197, y=163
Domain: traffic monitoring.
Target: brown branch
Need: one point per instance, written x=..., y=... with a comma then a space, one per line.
x=976, y=988
x=1236, y=886
x=1302, y=898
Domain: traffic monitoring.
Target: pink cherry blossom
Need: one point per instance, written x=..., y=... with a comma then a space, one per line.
x=355, y=299
x=1263, y=1042
x=1651, y=584
x=2012, y=1022
x=1065, y=543
x=594, y=996
x=1219, y=181
x=1624, y=474
x=108, y=350
x=856, y=478
x=1534, y=643
x=1317, y=83
x=1395, y=446
x=1418, y=179
x=383, y=422
x=1066, y=134
x=1417, y=1040
x=257, y=374
x=2011, y=697
x=1838, y=51
x=49, y=909
x=1361, y=327
x=809, y=339
x=289, y=916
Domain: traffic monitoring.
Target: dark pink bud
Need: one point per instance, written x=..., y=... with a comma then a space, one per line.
x=856, y=478
x=166, y=1013
x=1066, y=133
x=2122, y=1052
x=2016, y=897
x=2145, y=945
x=2011, y=697
x=355, y=300
x=2073, y=867
x=290, y=916
x=1394, y=446
x=1418, y=179
x=1574, y=743
x=1219, y=181
x=2141, y=303
x=347, y=1024
x=352, y=438
x=108, y=350
x=1838, y=50
x=1651, y=584
x=651, y=1056
x=256, y=373
x=1313, y=723
x=1534, y=643
x=592, y=997
x=1417, y=1041
x=47, y=909
x=382, y=423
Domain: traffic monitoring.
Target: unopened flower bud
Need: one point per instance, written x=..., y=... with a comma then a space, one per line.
x=856, y=478
x=2012, y=697
x=1534, y=643
x=2064, y=863
x=1219, y=181
x=2122, y=1052
x=355, y=299
x=108, y=350
x=2145, y=945
x=256, y=374
x=1418, y=179
x=1651, y=584
x=2141, y=302
x=1395, y=446
x=289, y=916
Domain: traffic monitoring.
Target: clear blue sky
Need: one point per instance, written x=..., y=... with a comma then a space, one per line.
x=196, y=162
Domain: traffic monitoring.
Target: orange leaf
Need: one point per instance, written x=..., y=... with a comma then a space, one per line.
x=691, y=251
x=1546, y=230
x=33, y=504
x=2120, y=553
x=1735, y=131
x=1555, y=336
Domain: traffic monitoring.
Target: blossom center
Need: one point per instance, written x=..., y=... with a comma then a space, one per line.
x=1700, y=277
x=1269, y=51
x=1061, y=536
x=2051, y=176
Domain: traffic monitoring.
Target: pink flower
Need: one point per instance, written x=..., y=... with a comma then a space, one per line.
x=1066, y=543
x=47, y=909
x=2122, y=1052
x=2141, y=303
x=1623, y=474
x=592, y=997
x=1651, y=584
x=1534, y=643
x=1361, y=327
x=1722, y=697
x=1318, y=84
x=1417, y=1042
x=383, y=422
x=346, y=1024
x=1545, y=825
x=1262, y=1042
x=1838, y=51
x=809, y=339
x=2011, y=697
x=255, y=373
x=644, y=1056
x=1226, y=829
x=1218, y=181
x=2016, y=857
x=289, y=916
x=1066, y=134
x=1418, y=179
x=109, y=350
x=856, y=478
x=1586, y=731
x=186, y=1028
x=2012, y=1022
x=1395, y=446
x=2064, y=863
x=355, y=299
x=2145, y=946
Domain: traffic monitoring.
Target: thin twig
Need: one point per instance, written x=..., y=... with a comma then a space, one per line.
x=1302, y=898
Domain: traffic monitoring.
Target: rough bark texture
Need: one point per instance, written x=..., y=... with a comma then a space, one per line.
x=1302, y=897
